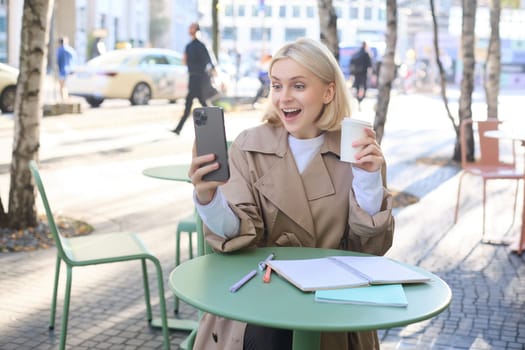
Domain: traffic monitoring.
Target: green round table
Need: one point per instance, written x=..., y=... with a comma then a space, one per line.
x=204, y=282
x=176, y=172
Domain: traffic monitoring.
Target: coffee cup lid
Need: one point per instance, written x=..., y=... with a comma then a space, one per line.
x=358, y=121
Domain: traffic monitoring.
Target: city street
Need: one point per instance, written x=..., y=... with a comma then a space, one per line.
x=92, y=163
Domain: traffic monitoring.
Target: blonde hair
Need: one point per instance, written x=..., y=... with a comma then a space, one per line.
x=316, y=57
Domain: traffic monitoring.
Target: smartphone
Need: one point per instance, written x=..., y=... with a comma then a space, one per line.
x=210, y=137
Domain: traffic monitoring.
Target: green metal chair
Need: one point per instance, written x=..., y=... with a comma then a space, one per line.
x=98, y=249
x=186, y=225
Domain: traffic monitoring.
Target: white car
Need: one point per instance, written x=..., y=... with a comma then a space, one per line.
x=8, y=78
x=137, y=74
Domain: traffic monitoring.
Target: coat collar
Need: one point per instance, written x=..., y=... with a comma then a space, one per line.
x=283, y=177
x=274, y=140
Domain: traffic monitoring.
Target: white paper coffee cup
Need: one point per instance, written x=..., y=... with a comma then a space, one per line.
x=351, y=130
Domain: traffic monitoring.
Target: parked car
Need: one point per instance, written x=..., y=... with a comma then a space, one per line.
x=8, y=78
x=136, y=74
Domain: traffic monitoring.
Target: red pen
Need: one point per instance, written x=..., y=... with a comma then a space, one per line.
x=266, y=277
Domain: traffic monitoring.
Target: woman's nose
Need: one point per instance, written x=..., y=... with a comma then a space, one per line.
x=286, y=94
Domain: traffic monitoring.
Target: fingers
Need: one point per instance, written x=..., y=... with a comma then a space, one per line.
x=200, y=166
x=370, y=157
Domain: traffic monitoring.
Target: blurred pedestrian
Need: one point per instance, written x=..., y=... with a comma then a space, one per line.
x=197, y=58
x=264, y=79
x=66, y=55
x=359, y=65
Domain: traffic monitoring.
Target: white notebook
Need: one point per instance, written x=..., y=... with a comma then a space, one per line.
x=344, y=272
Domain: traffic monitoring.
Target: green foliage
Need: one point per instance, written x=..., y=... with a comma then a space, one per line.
x=511, y=4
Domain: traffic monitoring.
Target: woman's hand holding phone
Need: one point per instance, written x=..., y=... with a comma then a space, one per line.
x=209, y=166
x=200, y=166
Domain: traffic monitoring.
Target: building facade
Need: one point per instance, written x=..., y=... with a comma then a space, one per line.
x=83, y=22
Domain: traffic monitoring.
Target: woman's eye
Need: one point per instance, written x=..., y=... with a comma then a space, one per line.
x=299, y=86
x=276, y=86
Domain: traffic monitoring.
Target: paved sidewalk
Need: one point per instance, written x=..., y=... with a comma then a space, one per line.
x=107, y=305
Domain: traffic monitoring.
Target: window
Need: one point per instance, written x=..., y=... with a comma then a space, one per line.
x=292, y=34
x=258, y=34
x=368, y=13
x=282, y=11
x=3, y=24
x=177, y=61
x=338, y=12
x=267, y=11
x=310, y=12
x=255, y=10
x=296, y=11
x=354, y=12
x=153, y=60
x=382, y=15
x=241, y=10
x=228, y=10
x=229, y=33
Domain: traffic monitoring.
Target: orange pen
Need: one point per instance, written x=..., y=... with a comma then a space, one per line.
x=267, y=274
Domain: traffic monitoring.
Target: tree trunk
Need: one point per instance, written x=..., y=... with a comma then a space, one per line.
x=3, y=215
x=28, y=111
x=328, y=26
x=387, y=71
x=493, y=62
x=467, y=81
x=215, y=27
x=442, y=76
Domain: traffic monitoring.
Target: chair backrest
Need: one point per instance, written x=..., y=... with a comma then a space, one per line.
x=489, y=148
x=60, y=241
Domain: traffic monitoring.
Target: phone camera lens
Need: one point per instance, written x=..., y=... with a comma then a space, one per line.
x=200, y=118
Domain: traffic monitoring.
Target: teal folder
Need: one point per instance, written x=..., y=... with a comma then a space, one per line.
x=384, y=295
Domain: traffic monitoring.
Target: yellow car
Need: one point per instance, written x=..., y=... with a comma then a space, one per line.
x=136, y=74
x=8, y=78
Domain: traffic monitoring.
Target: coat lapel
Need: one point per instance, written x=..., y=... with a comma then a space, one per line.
x=316, y=179
x=278, y=183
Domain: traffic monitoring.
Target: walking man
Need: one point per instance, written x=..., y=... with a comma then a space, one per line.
x=65, y=57
x=196, y=57
x=359, y=64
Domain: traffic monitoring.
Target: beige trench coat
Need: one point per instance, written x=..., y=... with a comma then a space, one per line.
x=277, y=206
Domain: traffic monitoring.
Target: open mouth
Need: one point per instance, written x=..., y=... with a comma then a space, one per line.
x=291, y=112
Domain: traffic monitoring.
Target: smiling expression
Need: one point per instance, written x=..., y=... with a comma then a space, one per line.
x=299, y=97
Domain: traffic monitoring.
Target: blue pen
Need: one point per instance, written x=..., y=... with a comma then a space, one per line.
x=243, y=281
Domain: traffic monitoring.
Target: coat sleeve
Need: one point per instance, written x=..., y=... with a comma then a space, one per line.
x=371, y=234
x=242, y=200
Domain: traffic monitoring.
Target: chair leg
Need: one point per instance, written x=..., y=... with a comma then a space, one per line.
x=190, y=239
x=65, y=315
x=484, y=209
x=55, y=290
x=177, y=262
x=146, y=289
x=162, y=300
x=456, y=212
x=515, y=203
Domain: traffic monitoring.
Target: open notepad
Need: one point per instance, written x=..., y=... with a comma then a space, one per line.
x=344, y=272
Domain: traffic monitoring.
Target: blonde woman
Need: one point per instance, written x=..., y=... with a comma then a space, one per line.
x=288, y=187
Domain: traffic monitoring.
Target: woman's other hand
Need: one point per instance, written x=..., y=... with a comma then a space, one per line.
x=370, y=157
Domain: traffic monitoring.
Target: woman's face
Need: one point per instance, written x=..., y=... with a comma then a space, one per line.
x=299, y=97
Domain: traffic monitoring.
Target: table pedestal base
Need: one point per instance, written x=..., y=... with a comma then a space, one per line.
x=306, y=340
